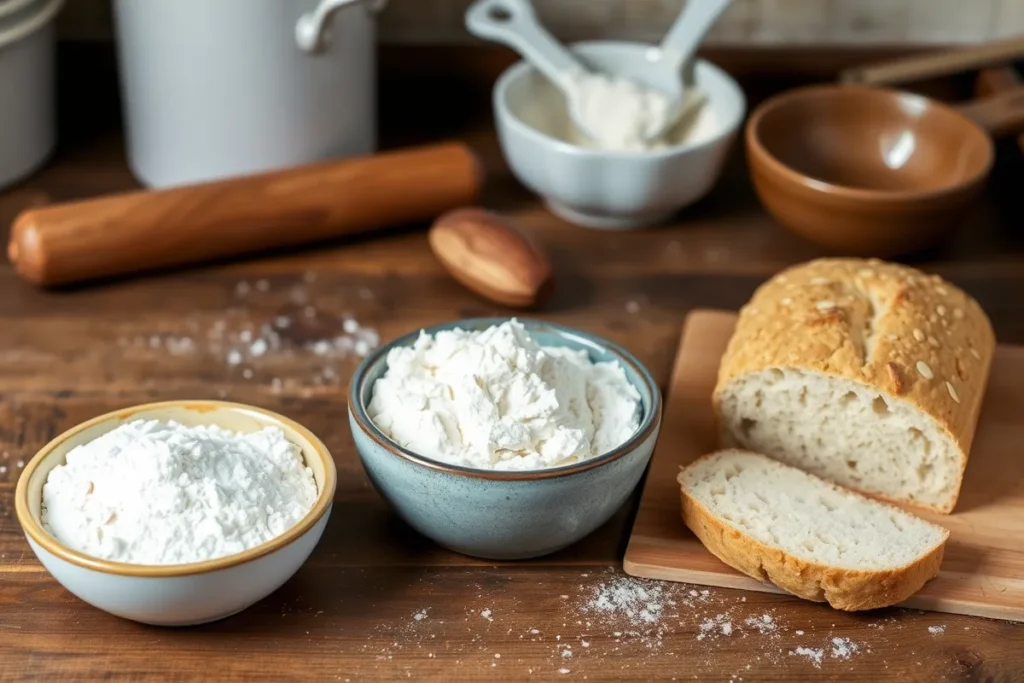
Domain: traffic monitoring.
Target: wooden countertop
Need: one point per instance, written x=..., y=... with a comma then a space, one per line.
x=375, y=601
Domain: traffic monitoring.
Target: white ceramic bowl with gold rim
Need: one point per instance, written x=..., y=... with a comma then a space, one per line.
x=180, y=594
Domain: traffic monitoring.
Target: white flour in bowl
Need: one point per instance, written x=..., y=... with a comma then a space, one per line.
x=495, y=399
x=624, y=116
x=155, y=492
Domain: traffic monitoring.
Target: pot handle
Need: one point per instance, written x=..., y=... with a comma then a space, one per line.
x=311, y=31
x=999, y=114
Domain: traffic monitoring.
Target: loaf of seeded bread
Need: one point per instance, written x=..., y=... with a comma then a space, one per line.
x=866, y=373
x=818, y=541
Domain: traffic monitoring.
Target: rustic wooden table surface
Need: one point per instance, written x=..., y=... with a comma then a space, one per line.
x=375, y=601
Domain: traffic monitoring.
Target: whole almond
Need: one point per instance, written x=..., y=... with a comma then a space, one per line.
x=487, y=254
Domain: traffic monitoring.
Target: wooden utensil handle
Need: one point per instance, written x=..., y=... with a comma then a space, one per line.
x=996, y=80
x=145, y=230
x=936, y=64
x=999, y=114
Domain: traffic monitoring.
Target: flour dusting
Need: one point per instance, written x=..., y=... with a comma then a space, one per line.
x=813, y=655
x=843, y=648
x=260, y=347
x=639, y=602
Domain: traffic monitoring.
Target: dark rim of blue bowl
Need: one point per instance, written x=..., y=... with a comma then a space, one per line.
x=648, y=424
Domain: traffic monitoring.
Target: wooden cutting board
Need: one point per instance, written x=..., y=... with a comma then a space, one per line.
x=982, y=573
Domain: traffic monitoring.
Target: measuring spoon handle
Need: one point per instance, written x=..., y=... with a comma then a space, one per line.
x=687, y=31
x=514, y=23
x=999, y=114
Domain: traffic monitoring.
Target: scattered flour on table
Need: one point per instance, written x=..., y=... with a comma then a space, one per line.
x=257, y=348
x=639, y=602
x=155, y=492
x=612, y=622
x=764, y=623
x=936, y=630
x=496, y=399
x=814, y=655
x=843, y=648
x=836, y=648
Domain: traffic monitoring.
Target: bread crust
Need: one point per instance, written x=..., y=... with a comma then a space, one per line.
x=843, y=589
x=910, y=336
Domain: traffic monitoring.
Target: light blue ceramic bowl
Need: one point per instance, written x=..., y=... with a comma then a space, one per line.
x=505, y=515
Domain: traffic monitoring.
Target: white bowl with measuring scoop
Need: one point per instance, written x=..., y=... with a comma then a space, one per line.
x=578, y=179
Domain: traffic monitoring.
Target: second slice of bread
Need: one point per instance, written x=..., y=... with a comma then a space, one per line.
x=809, y=537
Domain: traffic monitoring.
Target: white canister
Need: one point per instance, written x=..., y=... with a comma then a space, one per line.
x=221, y=88
x=27, y=116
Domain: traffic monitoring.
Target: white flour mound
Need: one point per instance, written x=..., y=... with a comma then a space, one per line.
x=154, y=492
x=623, y=115
x=495, y=399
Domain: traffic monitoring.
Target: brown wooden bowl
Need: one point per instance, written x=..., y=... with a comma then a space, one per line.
x=867, y=171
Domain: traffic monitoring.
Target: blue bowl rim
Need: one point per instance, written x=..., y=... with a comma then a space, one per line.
x=648, y=425
x=520, y=67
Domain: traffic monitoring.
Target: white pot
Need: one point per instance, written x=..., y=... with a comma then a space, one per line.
x=27, y=116
x=220, y=88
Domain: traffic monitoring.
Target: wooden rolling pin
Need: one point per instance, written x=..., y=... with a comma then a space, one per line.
x=148, y=230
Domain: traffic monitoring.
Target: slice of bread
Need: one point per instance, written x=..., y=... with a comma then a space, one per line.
x=812, y=538
x=869, y=374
